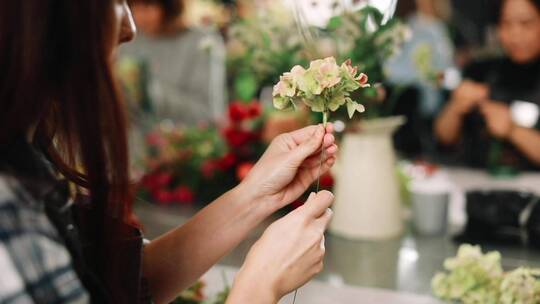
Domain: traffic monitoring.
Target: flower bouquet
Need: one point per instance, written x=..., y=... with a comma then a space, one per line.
x=476, y=278
x=186, y=165
x=324, y=87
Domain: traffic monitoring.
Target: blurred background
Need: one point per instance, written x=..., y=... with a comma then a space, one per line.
x=446, y=153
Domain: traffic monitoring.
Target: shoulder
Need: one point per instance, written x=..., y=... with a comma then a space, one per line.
x=479, y=70
x=34, y=261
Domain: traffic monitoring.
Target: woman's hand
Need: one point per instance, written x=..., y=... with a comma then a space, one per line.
x=289, y=254
x=468, y=95
x=289, y=166
x=498, y=118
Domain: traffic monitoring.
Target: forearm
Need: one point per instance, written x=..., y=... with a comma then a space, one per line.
x=527, y=141
x=177, y=259
x=448, y=125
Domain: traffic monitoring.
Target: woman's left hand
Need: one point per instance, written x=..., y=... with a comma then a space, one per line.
x=290, y=165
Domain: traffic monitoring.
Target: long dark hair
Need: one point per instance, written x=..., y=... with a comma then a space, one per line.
x=56, y=77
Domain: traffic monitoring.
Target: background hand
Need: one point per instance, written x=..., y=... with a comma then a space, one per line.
x=290, y=165
x=468, y=95
x=288, y=255
x=498, y=118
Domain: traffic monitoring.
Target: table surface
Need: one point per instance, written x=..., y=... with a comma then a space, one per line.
x=405, y=264
x=316, y=292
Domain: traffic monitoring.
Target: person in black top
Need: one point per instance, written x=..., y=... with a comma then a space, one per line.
x=478, y=120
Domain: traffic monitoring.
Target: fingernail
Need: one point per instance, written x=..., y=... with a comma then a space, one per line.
x=311, y=195
x=320, y=130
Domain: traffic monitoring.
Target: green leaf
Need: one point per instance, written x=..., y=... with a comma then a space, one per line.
x=336, y=102
x=334, y=23
x=351, y=108
x=316, y=103
x=245, y=86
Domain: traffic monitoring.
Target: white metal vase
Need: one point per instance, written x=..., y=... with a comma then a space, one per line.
x=368, y=204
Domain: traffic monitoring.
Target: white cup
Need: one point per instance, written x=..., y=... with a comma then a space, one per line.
x=430, y=212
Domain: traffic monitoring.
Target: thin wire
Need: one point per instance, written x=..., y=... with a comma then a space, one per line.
x=294, y=298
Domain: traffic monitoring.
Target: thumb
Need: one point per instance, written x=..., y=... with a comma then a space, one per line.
x=317, y=204
x=308, y=147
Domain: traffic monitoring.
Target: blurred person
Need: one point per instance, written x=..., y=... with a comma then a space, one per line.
x=419, y=98
x=477, y=119
x=427, y=21
x=186, y=65
x=67, y=232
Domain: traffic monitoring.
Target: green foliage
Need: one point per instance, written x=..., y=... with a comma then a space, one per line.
x=245, y=86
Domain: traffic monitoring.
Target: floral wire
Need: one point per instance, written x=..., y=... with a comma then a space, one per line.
x=295, y=293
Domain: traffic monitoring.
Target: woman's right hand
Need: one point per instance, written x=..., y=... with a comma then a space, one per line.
x=468, y=95
x=288, y=255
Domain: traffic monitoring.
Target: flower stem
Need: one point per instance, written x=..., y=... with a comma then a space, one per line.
x=325, y=118
x=326, y=115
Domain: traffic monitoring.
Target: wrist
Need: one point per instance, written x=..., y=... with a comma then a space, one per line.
x=249, y=197
x=249, y=289
x=510, y=135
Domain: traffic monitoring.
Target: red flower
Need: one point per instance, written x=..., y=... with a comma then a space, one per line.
x=163, y=196
x=327, y=181
x=243, y=170
x=156, y=139
x=208, y=168
x=157, y=180
x=237, y=137
x=163, y=179
x=183, y=194
x=238, y=111
x=227, y=161
x=255, y=109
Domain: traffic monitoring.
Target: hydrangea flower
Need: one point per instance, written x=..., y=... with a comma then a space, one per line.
x=476, y=278
x=521, y=286
x=324, y=87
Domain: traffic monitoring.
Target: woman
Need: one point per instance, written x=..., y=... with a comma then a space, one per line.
x=63, y=123
x=186, y=66
x=478, y=116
